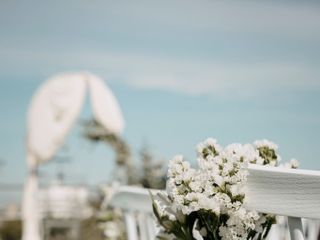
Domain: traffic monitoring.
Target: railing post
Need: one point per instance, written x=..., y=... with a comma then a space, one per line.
x=295, y=228
x=142, y=223
x=131, y=224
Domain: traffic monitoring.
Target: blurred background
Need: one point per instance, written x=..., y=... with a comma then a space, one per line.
x=182, y=71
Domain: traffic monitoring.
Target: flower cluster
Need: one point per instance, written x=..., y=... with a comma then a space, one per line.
x=207, y=203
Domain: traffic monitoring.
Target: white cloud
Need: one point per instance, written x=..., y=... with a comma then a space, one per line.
x=176, y=74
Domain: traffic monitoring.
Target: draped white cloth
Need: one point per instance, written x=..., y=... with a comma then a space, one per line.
x=105, y=107
x=53, y=111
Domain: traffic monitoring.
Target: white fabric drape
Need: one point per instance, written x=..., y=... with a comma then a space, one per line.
x=105, y=107
x=53, y=110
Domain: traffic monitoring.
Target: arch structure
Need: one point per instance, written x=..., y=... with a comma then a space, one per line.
x=53, y=111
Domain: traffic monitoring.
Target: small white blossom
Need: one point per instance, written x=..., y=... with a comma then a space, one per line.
x=217, y=188
x=265, y=143
x=294, y=163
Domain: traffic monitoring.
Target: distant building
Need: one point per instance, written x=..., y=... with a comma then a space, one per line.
x=62, y=208
x=64, y=201
x=11, y=212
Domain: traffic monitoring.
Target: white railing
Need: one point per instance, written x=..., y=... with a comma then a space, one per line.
x=286, y=192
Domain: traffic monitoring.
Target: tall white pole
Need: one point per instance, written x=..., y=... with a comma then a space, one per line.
x=30, y=206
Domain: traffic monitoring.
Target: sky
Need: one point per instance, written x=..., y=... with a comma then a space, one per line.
x=182, y=71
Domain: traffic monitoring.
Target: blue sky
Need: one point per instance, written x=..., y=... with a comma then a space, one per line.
x=181, y=70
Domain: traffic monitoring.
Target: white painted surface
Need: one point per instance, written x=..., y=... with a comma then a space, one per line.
x=131, y=224
x=311, y=228
x=143, y=227
x=287, y=192
x=295, y=228
x=132, y=198
x=152, y=226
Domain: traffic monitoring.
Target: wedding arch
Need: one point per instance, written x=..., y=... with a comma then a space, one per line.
x=53, y=111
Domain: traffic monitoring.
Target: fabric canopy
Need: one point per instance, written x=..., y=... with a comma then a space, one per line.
x=53, y=111
x=57, y=104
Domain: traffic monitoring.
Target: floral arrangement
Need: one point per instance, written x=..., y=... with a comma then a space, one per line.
x=208, y=203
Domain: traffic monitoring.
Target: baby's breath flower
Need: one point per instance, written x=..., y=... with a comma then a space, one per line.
x=265, y=143
x=215, y=192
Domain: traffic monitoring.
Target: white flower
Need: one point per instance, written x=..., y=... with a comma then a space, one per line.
x=294, y=163
x=265, y=143
x=259, y=161
x=210, y=144
x=273, y=163
x=258, y=228
x=217, y=187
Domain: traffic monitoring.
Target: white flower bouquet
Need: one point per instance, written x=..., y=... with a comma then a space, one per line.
x=208, y=203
